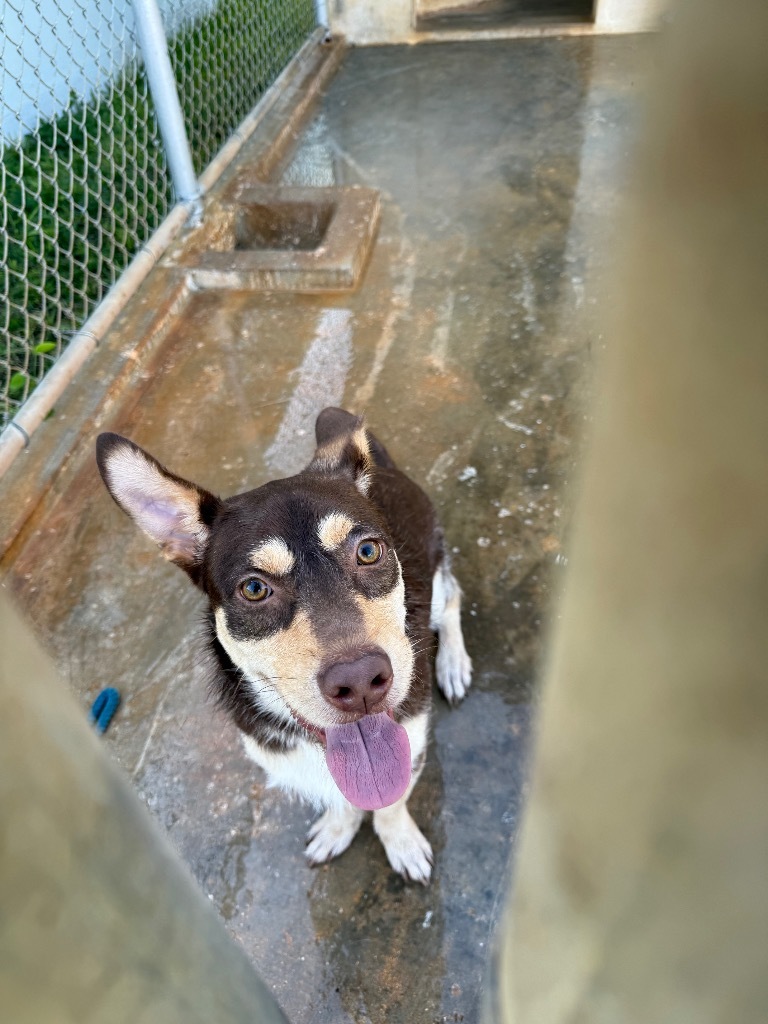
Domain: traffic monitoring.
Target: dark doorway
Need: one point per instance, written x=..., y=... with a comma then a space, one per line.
x=483, y=14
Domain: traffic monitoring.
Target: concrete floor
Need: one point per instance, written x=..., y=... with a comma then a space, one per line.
x=466, y=344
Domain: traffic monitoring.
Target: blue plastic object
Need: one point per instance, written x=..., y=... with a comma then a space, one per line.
x=104, y=707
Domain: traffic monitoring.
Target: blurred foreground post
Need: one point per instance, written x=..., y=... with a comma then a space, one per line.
x=99, y=920
x=642, y=879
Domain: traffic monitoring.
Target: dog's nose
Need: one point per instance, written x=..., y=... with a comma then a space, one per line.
x=357, y=686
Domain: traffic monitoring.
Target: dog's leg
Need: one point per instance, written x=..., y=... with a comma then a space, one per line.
x=332, y=833
x=408, y=851
x=452, y=665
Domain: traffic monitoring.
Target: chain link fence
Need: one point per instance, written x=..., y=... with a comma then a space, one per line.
x=83, y=177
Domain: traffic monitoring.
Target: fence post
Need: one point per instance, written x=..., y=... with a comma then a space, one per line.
x=321, y=13
x=100, y=919
x=640, y=888
x=162, y=83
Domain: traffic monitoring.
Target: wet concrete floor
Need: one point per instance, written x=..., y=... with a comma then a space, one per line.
x=466, y=346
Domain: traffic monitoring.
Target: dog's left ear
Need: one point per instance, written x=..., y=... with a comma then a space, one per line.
x=343, y=448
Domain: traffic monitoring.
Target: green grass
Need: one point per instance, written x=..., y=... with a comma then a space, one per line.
x=75, y=211
x=218, y=52
x=83, y=192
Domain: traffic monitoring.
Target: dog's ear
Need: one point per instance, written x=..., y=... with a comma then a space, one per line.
x=343, y=448
x=176, y=514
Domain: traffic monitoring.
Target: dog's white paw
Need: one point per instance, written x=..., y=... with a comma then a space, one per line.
x=453, y=668
x=331, y=834
x=408, y=851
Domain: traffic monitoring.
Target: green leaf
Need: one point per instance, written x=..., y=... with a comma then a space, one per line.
x=44, y=347
x=16, y=384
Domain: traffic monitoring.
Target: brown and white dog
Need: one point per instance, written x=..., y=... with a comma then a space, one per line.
x=324, y=590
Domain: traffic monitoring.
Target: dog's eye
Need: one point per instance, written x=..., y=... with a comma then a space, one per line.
x=255, y=589
x=369, y=552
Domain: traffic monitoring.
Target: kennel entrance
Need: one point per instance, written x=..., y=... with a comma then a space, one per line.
x=434, y=15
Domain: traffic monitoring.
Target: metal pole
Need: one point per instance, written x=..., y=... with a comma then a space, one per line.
x=321, y=13
x=154, y=47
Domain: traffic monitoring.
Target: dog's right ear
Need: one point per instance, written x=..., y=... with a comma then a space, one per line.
x=175, y=513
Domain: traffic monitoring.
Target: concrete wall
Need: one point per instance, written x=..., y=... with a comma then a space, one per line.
x=371, y=22
x=629, y=15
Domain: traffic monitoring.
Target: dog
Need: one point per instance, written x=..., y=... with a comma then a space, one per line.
x=325, y=591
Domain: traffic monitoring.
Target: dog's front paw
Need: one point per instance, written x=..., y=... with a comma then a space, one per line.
x=331, y=834
x=408, y=851
x=453, y=668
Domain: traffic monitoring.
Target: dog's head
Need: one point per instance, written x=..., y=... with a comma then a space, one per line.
x=305, y=586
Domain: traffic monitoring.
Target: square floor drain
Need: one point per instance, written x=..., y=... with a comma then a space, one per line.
x=284, y=225
x=283, y=239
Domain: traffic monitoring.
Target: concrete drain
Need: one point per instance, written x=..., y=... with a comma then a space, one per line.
x=282, y=239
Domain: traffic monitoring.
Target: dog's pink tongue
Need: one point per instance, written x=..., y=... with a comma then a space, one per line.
x=370, y=761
